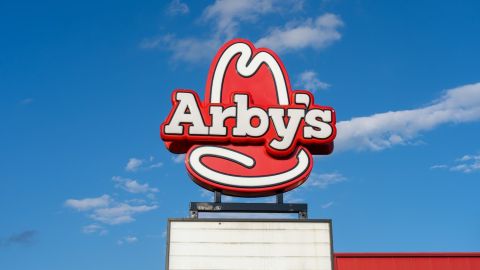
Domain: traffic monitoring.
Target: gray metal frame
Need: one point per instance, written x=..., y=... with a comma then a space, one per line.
x=301, y=209
x=279, y=207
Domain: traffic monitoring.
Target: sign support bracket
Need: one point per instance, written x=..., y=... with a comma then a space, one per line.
x=279, y=207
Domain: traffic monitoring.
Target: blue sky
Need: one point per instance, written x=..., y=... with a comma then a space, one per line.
x=86, y=182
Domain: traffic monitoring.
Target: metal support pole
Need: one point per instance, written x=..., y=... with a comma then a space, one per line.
x=280, y=198
x=217, y=197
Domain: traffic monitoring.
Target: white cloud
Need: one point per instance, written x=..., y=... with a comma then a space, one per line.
x=465, y=164
x=465, y=168
x=177, y=7
x=131, y=239
x=110, y=211
x=152, y=43
x=384, y=130
x=438, y=166
x=127, y=240
x=133, y=164
x=469, y=157
x=151, y=196
x=120, y=213
x=294, y=196
x=156, y=165
x=132, y=186
x=324, y=180
x=178, y=158
x=228, y=14
x=317, y=34
x=94, y=228
x=136, y=201
x=308, y=80
x=88, y=203
x=327, y=205
x=184, y=49
x=315, y=180
x=225, y=17
x=106, y=210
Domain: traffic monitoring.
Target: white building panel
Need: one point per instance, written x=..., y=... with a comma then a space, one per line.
x=202, y=244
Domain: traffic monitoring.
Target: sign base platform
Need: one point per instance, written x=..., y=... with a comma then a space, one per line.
x=255, y=244
x=249, y=244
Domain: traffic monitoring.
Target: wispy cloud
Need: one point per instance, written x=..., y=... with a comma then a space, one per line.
x=184, y=49
x=88, y=203
x=133, y=164
x=327, y=205
x=469, y=158
x=23, y=238
x=323, y=180
x=384, y=130
x=129, y=239
x=294, y=196
x=227, y=15
x=120, y=213
x=315, y=180
x=136, y=164
x=312, y=33
x=155, y=165
x=224, y=18
x=178, y=158
x=177, y=7
x=438, y=166
x=132, y=186
x=94, y=228
x=106, y=210
x=308, y=80
x=465, y=164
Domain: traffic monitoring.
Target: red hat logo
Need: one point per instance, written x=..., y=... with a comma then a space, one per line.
x=252, y=135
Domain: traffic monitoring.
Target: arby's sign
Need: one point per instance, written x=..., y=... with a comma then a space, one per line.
x=252, y=135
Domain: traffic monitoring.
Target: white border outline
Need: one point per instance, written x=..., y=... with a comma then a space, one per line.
x=243, y=181
x=247, y=66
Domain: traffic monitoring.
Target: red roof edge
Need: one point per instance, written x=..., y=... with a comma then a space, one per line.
x=404, y=254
